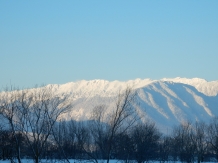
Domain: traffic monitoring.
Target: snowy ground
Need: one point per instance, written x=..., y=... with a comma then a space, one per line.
x=83, y=161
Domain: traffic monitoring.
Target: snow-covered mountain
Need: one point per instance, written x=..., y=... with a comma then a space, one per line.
x=167, y=102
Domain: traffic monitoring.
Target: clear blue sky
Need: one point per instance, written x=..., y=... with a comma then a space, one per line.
x=57, y=41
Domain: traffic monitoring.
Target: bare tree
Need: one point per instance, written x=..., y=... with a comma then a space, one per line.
x=99, y=132
x=124, y=147
x=40, y=110
x=106, y=127
x=165, y=148
x=199, y=139
x=145, y=139
x=123, y=117
x=62, y=139
x=182, y=142
x=212, y=131
x=34, y=113
x=9, y=103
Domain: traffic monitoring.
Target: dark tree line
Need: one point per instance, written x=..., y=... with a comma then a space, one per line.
x=31, y=128
x=188, y=142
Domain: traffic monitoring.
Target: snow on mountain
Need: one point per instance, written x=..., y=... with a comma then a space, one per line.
x=208, y=88
x=167, y=102
x=91, y=88
x=98, y=87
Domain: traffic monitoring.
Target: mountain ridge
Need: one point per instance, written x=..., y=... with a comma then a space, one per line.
x=100, y=86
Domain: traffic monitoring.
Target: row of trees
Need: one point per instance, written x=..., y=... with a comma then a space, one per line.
x=188, y=142
x=92, y=141
x=31, y=128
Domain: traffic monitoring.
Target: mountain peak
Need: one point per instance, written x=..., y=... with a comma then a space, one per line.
x=108, y=88
x=185, y=80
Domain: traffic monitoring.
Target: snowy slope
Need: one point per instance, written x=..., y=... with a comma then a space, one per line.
x=168, y=102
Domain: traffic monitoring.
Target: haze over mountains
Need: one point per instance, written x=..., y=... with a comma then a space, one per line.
x=167, y=102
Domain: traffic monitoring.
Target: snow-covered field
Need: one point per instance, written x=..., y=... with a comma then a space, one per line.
x=61, y=161
x=86, y=161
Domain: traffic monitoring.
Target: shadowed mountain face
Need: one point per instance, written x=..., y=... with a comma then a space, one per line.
x=169, y=104
x=165, y=102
